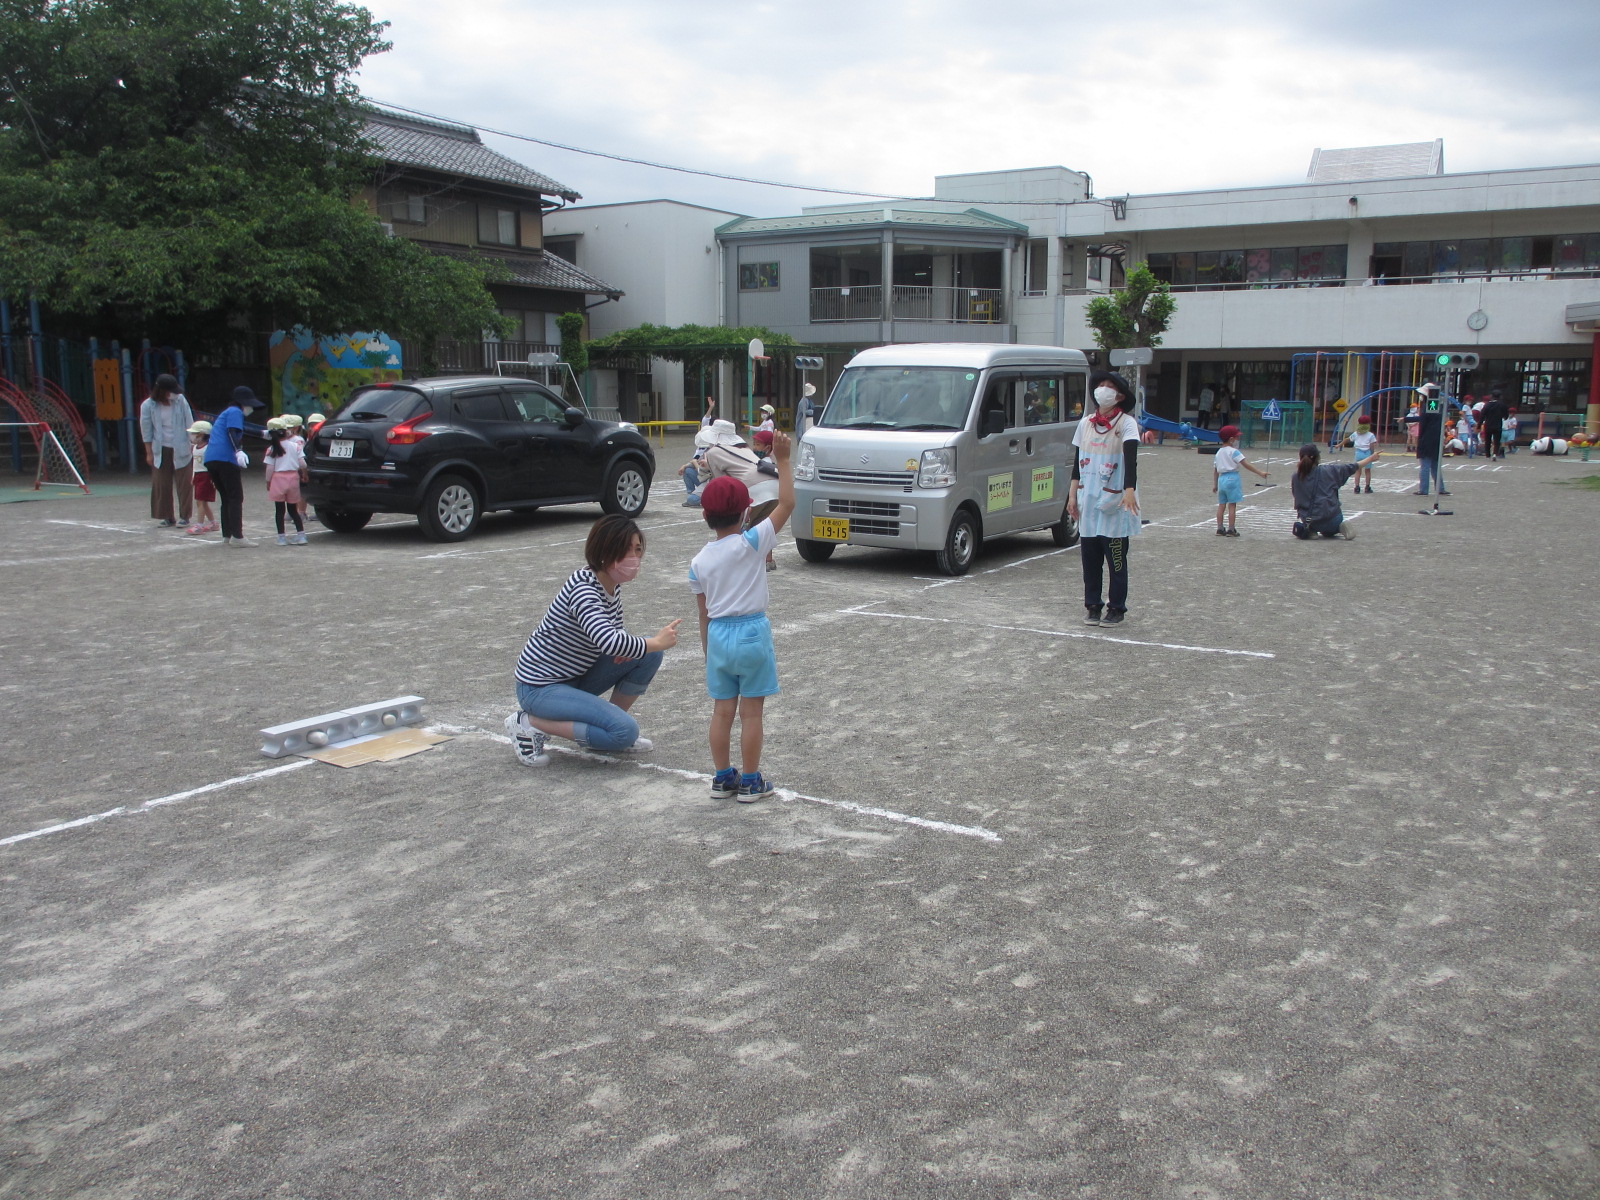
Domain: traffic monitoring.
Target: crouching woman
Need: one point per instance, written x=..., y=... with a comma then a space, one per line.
x=581, y=650
x=1316, y=493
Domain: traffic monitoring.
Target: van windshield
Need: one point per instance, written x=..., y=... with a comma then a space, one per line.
x=901, y=398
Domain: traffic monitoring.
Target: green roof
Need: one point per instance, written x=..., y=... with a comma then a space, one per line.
x=973, y=220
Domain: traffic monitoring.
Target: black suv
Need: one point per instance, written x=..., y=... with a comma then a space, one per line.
x=452, y=449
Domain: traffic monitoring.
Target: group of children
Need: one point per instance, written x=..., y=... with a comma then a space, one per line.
x=286, y=470
x=1314, y=485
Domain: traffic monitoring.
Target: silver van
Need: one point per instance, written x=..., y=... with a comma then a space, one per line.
x=939, y=446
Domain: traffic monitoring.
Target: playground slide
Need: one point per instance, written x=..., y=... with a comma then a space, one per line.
x=1184, y=430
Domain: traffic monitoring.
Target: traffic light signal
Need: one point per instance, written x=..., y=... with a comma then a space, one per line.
x=807, y=362
x=1454, y=361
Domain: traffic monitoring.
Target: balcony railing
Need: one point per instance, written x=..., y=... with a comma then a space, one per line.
x=947, y=305
x=1530, y=275
x=861, y=303
x=472, y=358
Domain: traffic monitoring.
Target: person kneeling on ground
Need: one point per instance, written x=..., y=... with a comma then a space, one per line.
x=581, y=650
x=1316, y=493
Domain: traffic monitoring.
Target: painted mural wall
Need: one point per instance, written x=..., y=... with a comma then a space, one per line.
x=316, y=374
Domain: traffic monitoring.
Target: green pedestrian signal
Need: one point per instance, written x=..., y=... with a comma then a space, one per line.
x=1454, y=361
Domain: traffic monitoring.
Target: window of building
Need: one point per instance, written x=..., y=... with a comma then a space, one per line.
x=1422, y=262
x=567, y=249
x=497, y=226
x=1282, y=266
x=1035, y=267
x=401, y=204
x=758, y=277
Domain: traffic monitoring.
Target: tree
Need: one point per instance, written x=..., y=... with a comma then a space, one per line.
x=174, y=168
x=691, y=345
x=1136, y=316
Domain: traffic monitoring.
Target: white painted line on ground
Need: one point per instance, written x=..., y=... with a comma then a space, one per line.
x=860, y=611
x=125, y=811
x=973, y=578
x=106, y=528
x=784, y=794
x=542, y=545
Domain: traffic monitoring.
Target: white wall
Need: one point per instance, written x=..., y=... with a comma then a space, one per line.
x=663, y=255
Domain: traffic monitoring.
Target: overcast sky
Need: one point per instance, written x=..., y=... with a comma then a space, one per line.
x=885, y=94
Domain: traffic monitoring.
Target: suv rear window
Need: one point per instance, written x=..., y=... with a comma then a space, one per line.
x=383, y=404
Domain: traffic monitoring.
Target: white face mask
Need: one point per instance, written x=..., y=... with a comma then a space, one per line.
x=1106, y=396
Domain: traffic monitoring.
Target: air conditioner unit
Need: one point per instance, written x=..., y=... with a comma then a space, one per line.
x=388, y=228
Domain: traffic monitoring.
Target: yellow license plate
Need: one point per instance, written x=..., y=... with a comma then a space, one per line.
x=830, y=529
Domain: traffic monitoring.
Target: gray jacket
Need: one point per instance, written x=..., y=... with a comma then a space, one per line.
x=182, y=418
x=1316, y=496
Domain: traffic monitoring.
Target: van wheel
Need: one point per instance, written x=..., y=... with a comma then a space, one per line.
x=450, y=510
x=813, y=551
x=960, y=545
x=1065, y=531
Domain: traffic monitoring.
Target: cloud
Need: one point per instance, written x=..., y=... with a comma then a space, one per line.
x=1169, y=96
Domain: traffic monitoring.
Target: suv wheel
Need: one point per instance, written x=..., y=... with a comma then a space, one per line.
x=627, y=488
x=450, y=509
x=960, y=545
x=342, y=520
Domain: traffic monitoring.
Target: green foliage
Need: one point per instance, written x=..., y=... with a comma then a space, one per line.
x=573, y=351
x=692, y=345
x=1136, y=316
x=177, y=168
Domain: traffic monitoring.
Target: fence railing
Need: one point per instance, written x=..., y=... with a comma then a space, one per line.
x=862, y=303
x=471, y=358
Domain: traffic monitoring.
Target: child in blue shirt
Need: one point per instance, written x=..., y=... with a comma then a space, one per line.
x=729, y=579
x=1225, y=479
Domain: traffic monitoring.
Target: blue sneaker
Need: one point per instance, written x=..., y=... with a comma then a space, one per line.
x=754, y=786
x=725, y=784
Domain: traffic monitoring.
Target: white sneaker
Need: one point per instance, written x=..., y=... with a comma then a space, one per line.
x=238, y=543
x=297, y=539
x=283, y=540
x=641, y=745
x=1348, y=530
x=527, y=741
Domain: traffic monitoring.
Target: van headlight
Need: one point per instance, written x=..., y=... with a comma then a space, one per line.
x=805, y=463
x=938, y=469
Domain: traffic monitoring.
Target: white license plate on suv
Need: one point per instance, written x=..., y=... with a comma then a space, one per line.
x=341, y=448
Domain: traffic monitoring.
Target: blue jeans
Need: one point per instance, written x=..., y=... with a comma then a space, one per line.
x=1431, y=467
x=596, y=722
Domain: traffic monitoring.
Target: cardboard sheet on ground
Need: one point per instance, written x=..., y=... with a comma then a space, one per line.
x=378, y=747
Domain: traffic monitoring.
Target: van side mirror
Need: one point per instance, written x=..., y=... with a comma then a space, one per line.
x=994, y=421
x=574, y=417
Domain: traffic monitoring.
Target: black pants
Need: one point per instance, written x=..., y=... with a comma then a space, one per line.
x=279, y=507
x=230, y=496
x=1098, y=553
x=1491, y=443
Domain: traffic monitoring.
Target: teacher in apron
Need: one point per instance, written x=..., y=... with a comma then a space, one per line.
x=1103, y=497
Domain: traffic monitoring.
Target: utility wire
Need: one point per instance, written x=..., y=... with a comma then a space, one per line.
x=645, y=162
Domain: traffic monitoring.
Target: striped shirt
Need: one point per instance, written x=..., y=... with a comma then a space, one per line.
x=583, y=623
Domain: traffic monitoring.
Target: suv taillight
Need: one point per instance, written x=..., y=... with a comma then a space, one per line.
x=407, y=434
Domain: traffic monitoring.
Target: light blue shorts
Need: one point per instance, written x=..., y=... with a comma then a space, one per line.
x=1230, y=488
x=740, y=660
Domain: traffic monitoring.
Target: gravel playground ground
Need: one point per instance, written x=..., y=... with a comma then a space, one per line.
x=1284, y=888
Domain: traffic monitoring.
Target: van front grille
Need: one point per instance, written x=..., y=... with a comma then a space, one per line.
x=864, y=508
x=899, y=479
x=878, y=528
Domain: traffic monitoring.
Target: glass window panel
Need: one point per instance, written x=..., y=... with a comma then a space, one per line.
x=1230, y=266
x=1591, y=256
x=1335, y=261
x=1516, y=253
x=1183, y=268
x=1285, y=262
x=1205, y=268
x=1258, y=265
x=1569, y=252
x=1415, y=259
x=1161, y=267
x=1446, y=257
x=1310, y=263
x=1475, y=255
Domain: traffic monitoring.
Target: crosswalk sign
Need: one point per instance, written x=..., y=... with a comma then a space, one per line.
x=1431, y=404
x=1272, y=412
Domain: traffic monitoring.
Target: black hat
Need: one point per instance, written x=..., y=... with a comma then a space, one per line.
x=164, y=382
x=245, y=398
x=1112, y=379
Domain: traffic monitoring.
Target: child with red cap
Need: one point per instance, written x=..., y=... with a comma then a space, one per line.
x=729, y=580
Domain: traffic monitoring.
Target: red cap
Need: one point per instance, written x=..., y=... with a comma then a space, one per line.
x=1228, y=431
x=762, y=437
x=724, y=497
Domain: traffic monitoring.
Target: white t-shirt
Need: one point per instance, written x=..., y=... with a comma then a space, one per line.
x=1228, y=460
x=1364, y=442
x=292, y=458
x=731, y=573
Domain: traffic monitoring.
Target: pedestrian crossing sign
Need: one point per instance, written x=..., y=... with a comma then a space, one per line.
x=1272, y=412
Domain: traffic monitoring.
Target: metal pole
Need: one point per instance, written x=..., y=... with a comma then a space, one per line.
x=130, y=434
x=36, y=338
